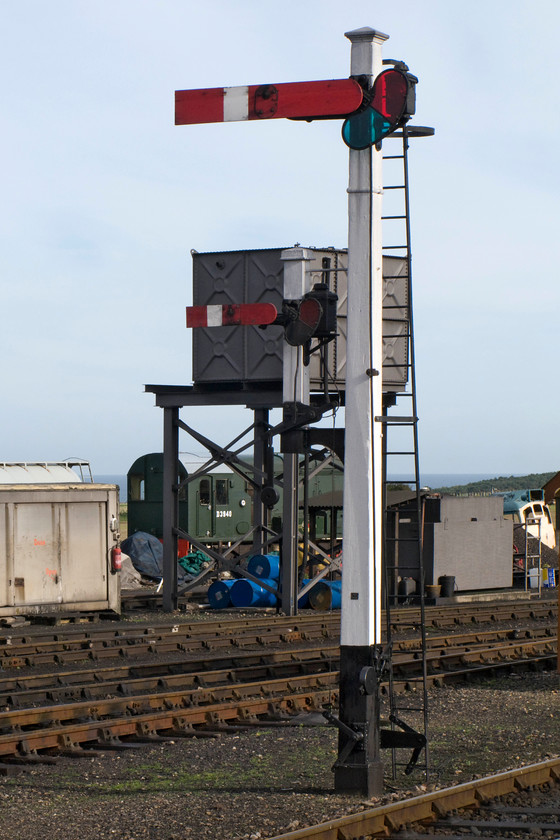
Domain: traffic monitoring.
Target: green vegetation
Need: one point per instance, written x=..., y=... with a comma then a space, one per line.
x=275, y=767
x=501, y=485
x=123, y=520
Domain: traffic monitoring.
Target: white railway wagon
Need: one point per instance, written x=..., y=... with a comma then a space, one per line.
x=57, y=533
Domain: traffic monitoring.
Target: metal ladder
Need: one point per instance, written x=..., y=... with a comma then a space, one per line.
x=403, y=522
x=533, y=553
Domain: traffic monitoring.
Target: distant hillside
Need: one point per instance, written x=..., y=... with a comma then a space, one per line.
x=501, y=485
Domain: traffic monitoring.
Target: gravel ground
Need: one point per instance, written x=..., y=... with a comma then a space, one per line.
x=258, y=783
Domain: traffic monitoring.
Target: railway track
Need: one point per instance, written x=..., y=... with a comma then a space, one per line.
x=61, y=646
x=447, y=657
x=522, y=802
x=84, y=690
x=76, y=708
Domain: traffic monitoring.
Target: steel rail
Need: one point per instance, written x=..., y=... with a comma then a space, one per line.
x=200, y=626
x=456, y=613
x=191, y=698
x=229, y=660
x=385, y=820
x=17, y=656
x=468, y=673
x=40, y=728
x=184, y=682
x=24, y=731
x=300, y=663
x=97, y=682
x=477, y=612
x=62, y=648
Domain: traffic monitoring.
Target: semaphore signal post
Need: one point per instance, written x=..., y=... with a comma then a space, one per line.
x=359, y=764
x=373, y=103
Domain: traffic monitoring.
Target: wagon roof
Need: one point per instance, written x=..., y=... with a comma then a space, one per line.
x=333, y=499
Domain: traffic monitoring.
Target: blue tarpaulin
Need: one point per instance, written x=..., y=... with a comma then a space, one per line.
x=146, y=553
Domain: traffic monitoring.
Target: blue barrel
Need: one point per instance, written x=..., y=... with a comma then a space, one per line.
x=304, y=600
x=219, y=594
x=264, y=566
x=245, y=593
x=326, y=595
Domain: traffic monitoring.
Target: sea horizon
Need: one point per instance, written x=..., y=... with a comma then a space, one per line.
x=426, y=480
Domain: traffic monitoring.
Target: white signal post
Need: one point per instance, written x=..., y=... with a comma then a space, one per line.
x=360, y=769
x=361, y=584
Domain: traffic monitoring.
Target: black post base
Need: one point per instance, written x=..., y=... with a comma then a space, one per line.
x=363, y=780
x=358, y=768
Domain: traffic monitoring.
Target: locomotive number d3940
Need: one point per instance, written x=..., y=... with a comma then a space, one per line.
x=221, y=514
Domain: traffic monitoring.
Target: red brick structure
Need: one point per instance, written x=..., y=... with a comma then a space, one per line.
x=551, y=487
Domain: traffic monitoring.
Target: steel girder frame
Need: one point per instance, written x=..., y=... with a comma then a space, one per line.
x=172, y=399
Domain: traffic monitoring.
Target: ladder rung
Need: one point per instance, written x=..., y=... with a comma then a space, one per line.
x=409, y=517
x=396, y=187
x=393, y=217
x=403, y=540
x=402, y=568
x=393, y=157
x=412, y=520
x=394, y=247
x=385, y=418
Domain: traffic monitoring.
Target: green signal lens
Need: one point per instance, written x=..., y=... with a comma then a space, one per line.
x=360, y=131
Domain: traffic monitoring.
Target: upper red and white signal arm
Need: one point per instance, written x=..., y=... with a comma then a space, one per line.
x=313, y=316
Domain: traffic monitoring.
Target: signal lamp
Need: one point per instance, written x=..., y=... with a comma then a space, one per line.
x=392, y=101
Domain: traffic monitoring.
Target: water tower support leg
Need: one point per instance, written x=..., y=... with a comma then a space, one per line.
x=170, y=500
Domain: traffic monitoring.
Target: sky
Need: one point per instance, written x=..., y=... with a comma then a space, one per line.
x=102, y=199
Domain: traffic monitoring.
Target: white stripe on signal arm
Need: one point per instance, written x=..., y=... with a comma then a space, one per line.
x=236, y=103
x=214, y=315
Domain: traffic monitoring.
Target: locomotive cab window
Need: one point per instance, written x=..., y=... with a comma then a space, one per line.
x=204, y=491
x=136, y=485
x=221, y=491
